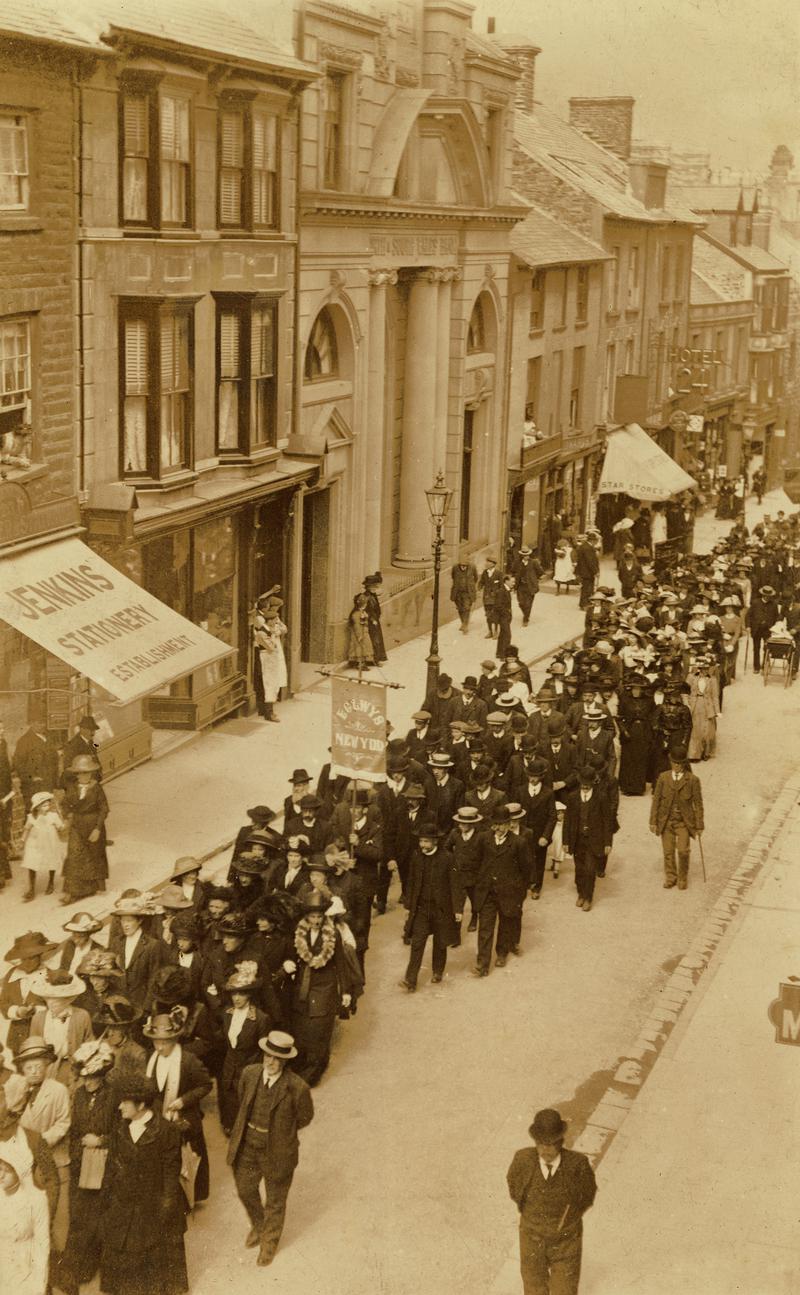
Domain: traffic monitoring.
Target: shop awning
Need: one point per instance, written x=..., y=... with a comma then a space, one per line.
x=83, y=611
x=635, y=465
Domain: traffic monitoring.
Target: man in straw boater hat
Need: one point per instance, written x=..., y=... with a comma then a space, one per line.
x=274, y=1105
x=552, y=1189
x=44, y=1107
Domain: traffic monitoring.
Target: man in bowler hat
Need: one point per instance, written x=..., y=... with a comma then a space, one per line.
x=676, y=815
x=274, y=1104
x=552, y=1189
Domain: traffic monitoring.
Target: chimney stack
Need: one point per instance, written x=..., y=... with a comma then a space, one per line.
x=608, y=121
x=523, y=52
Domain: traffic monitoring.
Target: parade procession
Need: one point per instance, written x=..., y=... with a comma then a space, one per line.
x=399, y=631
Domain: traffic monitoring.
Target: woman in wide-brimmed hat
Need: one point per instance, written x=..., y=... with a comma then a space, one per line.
x=139, y=954
x=60, y=1021
x=116, y=1017
x=324, y=983
x=80, y=928
x=102, y=972
x=182, y=1082
x=86, y=807
x=17, y=1004
x=93, y=1117
x=244, y=1024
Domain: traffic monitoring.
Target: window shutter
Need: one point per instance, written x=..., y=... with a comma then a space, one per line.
x=263, y=347
x=265, y=141
x=135, y=125
x=174, y=121
x=229, y=331
x=136, y=357
x=232, y=140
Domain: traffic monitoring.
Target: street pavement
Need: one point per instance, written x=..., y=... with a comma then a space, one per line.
x=401, y=1185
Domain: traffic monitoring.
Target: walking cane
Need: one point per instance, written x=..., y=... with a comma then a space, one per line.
x=746, y=650
x=702, y=856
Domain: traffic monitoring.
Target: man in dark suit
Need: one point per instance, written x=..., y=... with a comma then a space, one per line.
x=489, y=583
x=473, y=709
x=587, y=833
x=676, y=815
x=560, y=755
x=762, y=615
x=539, y=805
x=435, y=901
x=595, y=738
x=552, y=1189
x=274, y=1105
x=448, y=794
x=499, y=892
x=36, y=760
x=502, y=615
x=527, y=575
x=587, y=569
x=463, y=591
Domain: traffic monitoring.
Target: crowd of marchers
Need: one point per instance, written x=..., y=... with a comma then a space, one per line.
x=117, y=1038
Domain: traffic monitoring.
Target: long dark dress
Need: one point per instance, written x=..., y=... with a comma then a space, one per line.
x=373, y=609
x=635, y=719
x=316, y=998
x=245, y=1053
x=91, y=1113
x=144, y=1222
x=86, y=864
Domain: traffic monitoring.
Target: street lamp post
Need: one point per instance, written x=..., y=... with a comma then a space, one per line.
x=438, y=497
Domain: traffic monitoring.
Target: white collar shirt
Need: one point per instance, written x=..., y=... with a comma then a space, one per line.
x=137, y=1127
x=131, y=942
x=549, y=1170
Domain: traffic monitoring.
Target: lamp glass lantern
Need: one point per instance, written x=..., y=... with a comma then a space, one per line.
x=438, y=497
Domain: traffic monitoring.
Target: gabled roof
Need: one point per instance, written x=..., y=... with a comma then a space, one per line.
x=40, y=21
x=485, y=48
x=184, y=24
x=587, y=166
x=539, y=241
x=751, y=257
x=713, y=261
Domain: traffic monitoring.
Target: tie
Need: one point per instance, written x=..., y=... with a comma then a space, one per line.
x=549, y=1172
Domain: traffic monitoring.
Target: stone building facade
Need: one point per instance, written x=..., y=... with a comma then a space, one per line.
x=406, y=216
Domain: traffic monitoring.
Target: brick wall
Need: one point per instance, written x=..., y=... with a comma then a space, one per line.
x=609, y=121
x=37, y=264
x=551, y=193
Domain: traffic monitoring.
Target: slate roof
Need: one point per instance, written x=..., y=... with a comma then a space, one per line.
x=752, y=257
x=587, y=166
x=717, y=266
x=539, y=240
x=187, y=24
x=182, y=24
x=35, y=20
x=704, y=293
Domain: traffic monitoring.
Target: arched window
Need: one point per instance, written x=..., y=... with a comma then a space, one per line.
x=322, y=358
x=476, y=333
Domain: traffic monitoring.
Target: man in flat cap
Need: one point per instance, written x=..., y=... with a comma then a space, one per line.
x=552, y=1189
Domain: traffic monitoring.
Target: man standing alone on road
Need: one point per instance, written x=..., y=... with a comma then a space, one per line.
x=587, y=569
x=676, y=815
x=274, y=1104
x=552, y=1188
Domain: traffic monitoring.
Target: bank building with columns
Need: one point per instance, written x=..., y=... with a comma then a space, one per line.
x=406, y=214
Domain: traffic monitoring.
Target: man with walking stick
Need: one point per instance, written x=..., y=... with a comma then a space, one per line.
x=676, y=815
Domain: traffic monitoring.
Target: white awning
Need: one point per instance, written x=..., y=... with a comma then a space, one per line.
x=636, y=465
x=83, y=611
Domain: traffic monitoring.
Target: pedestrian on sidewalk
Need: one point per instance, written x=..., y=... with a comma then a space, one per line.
x=86, y=809
x=489, y=583
x=373, y=586
x=527, y=575
x=587, y=569
x=360, y=654
x=502, y=615
x=269, y=633
x=676, y=815
x=464, y=590
x=552, y=1189
x=274, y=1105
x=43, y=843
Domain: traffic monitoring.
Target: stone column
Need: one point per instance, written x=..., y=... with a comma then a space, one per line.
x=418, y=466
x=447, y=278
x=375, y=439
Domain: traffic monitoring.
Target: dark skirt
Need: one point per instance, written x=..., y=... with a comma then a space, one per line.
x=85, y=866
x=157, y=1271
x=312, y=1037
x=81, y=1258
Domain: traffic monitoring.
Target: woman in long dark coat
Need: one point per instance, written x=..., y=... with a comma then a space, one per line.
x=181, y=1102
x=244, y=1024
x=635, y=719
x=324, y=982
x=145, y=1218
x=94, y=1114
x=86, y=864
x=372, y=586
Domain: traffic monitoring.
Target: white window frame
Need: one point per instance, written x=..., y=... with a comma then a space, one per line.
x=15, y=155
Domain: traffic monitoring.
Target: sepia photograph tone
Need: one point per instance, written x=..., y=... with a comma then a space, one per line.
x=399, y=640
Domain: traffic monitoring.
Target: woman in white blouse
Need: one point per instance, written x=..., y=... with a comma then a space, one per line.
x=244, y=1024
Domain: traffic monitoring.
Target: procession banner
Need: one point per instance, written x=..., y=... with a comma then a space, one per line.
x=85, y=612
x=358, y=729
